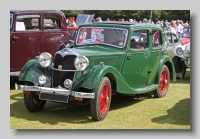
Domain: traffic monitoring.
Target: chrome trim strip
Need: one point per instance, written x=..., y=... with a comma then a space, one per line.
x=55, y=91
x=64, y=70
x=15, y=73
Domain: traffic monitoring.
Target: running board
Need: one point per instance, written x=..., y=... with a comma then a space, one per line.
x=145, y=89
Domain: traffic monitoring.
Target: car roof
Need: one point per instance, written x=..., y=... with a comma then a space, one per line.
x=131, y=24
x=36, y=11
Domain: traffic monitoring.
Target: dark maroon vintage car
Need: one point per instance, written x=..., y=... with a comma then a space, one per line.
x=33, y=32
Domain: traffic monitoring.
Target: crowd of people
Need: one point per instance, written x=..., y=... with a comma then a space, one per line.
x=175, y=26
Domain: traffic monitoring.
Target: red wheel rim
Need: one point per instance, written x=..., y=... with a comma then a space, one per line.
x=164, y=81
x=104, y=98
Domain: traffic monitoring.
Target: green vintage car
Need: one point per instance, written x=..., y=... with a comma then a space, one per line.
x=106, y=58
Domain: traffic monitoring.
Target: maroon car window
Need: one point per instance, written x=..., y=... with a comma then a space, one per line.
x=27, y=23
x=51, y=22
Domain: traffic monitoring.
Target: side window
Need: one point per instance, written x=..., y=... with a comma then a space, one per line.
x=156, y=38
x=51, y=22
x=27, y=22
x=139, y=39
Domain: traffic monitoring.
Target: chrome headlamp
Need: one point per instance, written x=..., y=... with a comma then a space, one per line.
x=186, y=54
x=42, y=79
x=179, y=51
x=45, y=59
x=187, y=51
x=187, y=47
x=81, y=63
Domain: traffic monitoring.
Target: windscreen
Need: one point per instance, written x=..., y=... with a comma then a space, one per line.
x=102, y=35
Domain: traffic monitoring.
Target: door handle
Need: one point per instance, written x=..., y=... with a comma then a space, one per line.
x=62, y=35
x=14, y=37
x=129, y=56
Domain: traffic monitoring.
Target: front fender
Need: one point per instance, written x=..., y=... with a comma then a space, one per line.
x=166, y=60
x=94, y=77
x=31, y=72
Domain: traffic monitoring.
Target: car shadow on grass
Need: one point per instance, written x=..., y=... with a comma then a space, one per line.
x=178, y=115
x=54, y=113
x=121, y=101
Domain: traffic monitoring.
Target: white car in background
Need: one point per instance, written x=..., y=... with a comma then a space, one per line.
x=181, y=59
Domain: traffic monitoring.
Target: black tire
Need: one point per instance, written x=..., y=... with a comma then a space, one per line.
x=104, y=97
x=163, y=81
x=32, y=101
x=180, y=67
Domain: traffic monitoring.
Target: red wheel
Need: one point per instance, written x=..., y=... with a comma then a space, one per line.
x=164, y=80
x=104, y=98
x=101, y=103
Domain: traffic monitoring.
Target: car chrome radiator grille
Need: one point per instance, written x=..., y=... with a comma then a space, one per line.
x=67, y=63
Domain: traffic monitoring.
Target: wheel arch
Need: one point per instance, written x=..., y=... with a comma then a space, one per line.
x=168, y=62
x=113, y=82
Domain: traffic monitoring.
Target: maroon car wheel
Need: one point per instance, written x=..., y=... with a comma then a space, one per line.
x=164, y=80
x=101, y=103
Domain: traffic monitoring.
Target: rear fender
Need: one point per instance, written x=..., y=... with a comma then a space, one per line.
x=166, y=60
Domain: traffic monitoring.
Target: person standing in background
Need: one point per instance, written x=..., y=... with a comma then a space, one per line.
x=72, y=22
x=172, y=28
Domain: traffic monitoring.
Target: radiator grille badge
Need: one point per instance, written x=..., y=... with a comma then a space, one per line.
x=59, y=67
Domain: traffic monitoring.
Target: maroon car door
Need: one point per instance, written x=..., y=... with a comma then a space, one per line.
x=25, y=40
x=55, y=33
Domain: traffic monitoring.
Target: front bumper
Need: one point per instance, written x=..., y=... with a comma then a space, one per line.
x=55, y=91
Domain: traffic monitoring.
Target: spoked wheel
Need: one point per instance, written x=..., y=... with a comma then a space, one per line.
x=163, y=83
x=100, y=105
x=180, y=67
x=32, y=101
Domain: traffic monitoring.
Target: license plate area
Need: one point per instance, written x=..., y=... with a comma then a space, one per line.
x=54, y=97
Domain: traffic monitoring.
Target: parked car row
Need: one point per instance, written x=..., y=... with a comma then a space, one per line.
x=177, y=50
x=103, y=60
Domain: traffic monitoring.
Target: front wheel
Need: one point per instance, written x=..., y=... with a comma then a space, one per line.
x=164, y=80
x=100, y=105
x=32, y=101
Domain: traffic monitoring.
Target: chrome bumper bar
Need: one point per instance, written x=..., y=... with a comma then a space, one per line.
x=16, y=73
x=55, y=91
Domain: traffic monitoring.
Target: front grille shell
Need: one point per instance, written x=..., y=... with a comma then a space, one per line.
x=59, y=76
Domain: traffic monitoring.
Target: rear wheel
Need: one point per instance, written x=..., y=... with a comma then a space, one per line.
x=100, y=105
x=32, y=101
x=164, y=80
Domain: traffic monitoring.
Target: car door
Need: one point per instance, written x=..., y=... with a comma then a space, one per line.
x=156, y=53
x=136, y=66
x=54, y=33
x=25, y=40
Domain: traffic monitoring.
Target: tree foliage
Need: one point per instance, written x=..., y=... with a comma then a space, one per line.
x=139, y=15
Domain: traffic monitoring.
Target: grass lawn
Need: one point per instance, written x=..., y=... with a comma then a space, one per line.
x=126, y=112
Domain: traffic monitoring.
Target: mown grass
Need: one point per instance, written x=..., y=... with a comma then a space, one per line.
x=126, y=112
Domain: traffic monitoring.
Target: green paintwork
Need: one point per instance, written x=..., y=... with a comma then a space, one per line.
x=32, y=70
x=94, y=77
x=133, y=71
